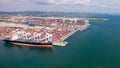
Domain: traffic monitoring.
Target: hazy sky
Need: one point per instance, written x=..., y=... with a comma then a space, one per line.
x=104, y=6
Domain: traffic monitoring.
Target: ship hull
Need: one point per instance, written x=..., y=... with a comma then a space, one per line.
x=30, y=44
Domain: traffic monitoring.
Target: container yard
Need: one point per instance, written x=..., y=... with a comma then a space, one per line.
x=46, y=29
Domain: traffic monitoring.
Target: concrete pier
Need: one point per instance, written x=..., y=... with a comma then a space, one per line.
x=62, y=42
x=68, y=35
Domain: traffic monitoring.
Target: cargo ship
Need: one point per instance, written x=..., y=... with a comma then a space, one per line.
x=25, y=40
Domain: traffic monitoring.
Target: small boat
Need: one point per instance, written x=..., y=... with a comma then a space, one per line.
x=25, y=40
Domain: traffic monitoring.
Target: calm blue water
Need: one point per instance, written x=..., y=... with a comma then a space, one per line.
x=97, y=47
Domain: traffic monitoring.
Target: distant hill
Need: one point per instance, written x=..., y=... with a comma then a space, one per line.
x=54, y=13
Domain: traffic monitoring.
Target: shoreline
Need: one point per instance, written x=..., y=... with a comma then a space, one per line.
x=63, y=26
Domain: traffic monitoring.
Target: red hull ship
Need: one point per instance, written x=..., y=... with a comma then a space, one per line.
x=22, y=38
x=29, y=43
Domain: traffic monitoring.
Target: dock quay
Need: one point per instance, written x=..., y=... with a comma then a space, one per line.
x=60, y=43
x=64, y=43
x=69, y=34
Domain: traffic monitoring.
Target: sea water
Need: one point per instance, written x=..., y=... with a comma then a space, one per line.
x=96, y=47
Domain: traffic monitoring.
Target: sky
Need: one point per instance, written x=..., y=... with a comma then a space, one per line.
x=98, y=6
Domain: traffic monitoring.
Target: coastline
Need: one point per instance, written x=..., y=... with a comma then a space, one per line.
x=63, y=30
